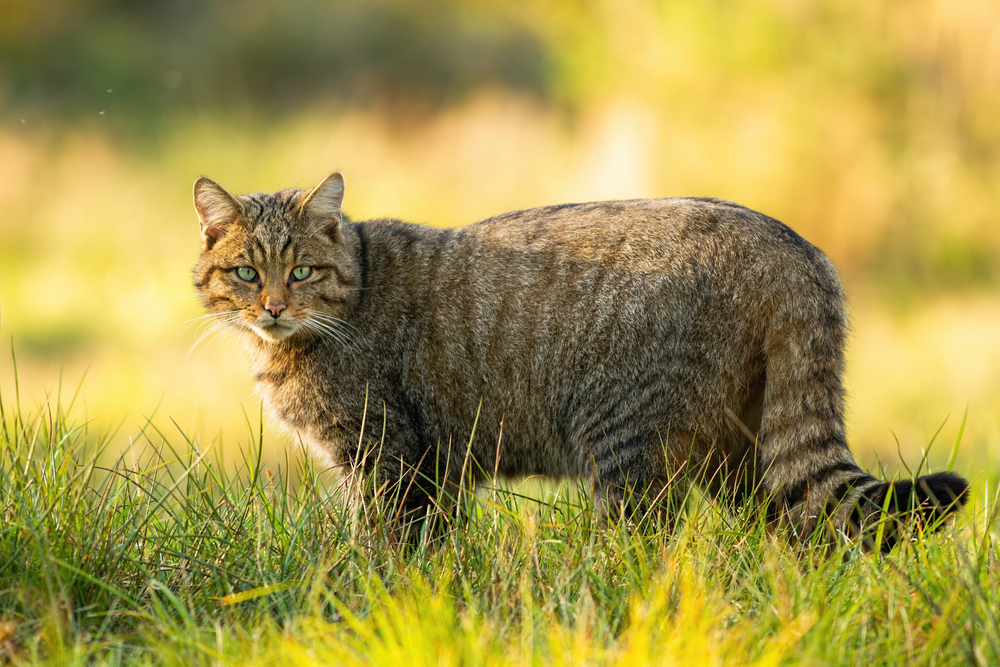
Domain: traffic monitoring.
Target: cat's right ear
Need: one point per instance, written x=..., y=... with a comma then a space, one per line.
x=321, y=206
x=216, y=208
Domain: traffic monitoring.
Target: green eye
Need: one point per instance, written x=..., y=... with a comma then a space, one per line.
x=301, y=272
x=246, y=273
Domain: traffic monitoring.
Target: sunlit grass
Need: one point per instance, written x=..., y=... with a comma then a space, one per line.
x=162, y=556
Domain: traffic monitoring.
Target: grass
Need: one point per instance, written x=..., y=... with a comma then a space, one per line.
x=160, y=556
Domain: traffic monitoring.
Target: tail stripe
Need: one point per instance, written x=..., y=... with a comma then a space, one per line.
x=797, y=492
x=833, y=502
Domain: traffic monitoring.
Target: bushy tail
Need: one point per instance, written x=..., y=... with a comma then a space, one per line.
x=879, y=512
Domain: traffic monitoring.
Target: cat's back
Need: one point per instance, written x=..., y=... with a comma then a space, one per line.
x=640, y=236
x=677, y=247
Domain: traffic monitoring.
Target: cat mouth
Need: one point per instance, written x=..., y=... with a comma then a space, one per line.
x=274, y=331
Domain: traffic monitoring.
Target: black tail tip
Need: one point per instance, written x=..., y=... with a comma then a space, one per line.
x=929, y=497
x=943, y=490
x=928, y=500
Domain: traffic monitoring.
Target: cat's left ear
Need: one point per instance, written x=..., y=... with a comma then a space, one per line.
x=321, y=207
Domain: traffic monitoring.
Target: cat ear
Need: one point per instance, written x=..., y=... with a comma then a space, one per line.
x=216, y=208
x=321, y=207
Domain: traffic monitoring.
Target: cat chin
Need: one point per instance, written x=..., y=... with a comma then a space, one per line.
x=274, y=333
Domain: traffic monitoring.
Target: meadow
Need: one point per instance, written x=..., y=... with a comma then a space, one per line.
x=161, y=556
x=151, y=515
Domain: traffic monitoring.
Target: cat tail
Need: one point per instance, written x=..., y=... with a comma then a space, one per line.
x=881, y=510
x=805, y=466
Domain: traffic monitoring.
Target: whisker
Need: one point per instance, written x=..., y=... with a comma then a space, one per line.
x=328, y=331
x=335, y=320
x=310, y=326
x=224, y=315
x=342, y=336
x=208, y=332
x=318, y=329
x=332, y=334
x=214, y=327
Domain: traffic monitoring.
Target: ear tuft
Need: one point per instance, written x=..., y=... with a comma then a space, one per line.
x=217, y=210
x=321, y=207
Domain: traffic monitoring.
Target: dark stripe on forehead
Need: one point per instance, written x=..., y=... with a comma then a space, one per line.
x=261, y=251
x=284, y=248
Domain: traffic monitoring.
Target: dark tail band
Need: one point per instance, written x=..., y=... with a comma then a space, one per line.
x=926, y=501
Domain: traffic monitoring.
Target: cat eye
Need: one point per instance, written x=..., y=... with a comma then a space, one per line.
x=246, y=273
x=301, y=272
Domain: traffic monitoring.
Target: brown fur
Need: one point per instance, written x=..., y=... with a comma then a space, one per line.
x=632, y=343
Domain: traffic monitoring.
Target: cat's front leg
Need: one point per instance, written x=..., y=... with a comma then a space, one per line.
x=405, y=494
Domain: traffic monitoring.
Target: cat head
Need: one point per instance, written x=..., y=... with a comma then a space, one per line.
x=281, y=266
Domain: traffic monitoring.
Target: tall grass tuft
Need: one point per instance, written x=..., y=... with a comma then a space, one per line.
x=166, y=554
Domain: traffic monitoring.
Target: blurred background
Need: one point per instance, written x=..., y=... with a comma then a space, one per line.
x=872, y=127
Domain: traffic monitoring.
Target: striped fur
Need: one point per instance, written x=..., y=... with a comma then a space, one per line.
x=639, y=344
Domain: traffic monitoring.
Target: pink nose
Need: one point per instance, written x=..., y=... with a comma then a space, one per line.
x=275, y=307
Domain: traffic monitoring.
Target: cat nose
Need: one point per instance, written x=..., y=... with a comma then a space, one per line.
x=275, y=307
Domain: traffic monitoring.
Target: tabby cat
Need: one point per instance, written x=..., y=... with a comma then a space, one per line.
x=640, y=345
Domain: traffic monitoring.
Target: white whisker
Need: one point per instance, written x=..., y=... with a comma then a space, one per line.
x=341, y=335
x=326, y=335
x=330, y=331
x=336, y=321
x=221, y=323
x=208, y=332
x=331, y=335
x=201, y=318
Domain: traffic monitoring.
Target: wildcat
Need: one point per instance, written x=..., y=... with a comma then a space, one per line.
x=640, y=345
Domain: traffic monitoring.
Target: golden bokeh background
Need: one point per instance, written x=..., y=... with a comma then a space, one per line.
x=872, y=127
